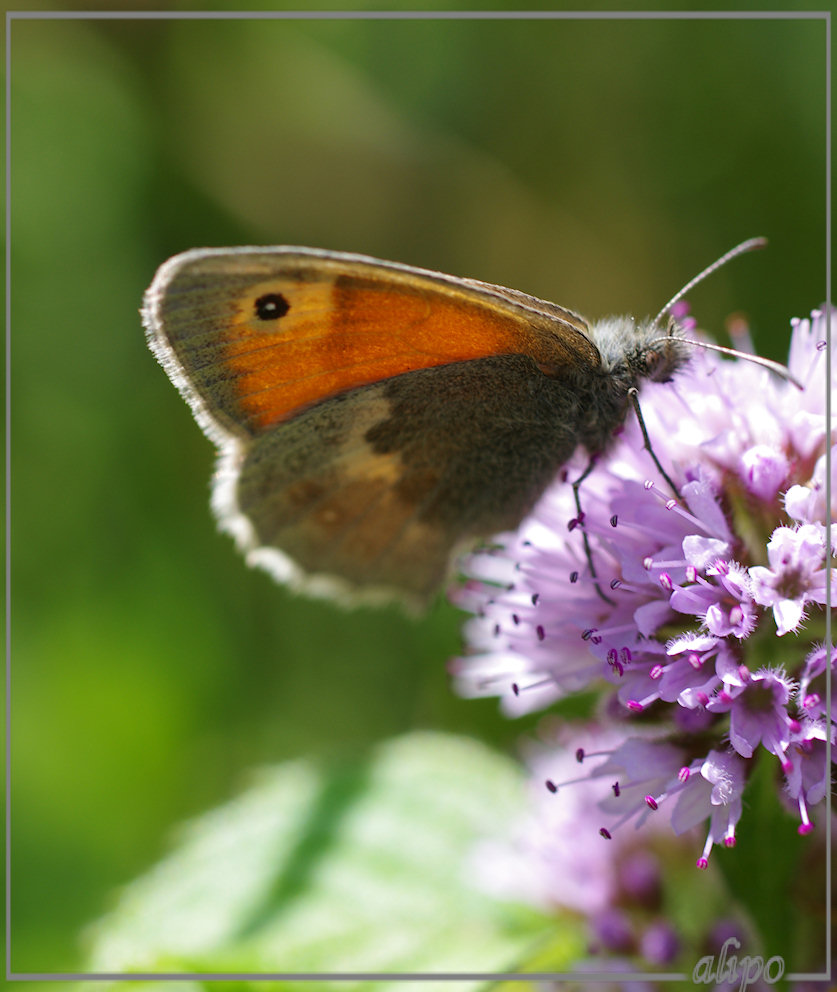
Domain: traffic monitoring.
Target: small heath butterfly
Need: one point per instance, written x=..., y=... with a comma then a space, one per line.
x=372, y=418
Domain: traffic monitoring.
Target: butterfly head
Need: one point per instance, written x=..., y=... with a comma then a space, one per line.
x=633, y=351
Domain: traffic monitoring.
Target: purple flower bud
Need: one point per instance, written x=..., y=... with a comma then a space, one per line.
x=612, y=928
x=659, y=944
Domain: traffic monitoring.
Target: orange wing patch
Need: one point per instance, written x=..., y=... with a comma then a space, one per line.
x=293, y=342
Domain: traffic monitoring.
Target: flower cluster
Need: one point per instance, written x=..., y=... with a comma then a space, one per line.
x=620, y=891
x=706, y=611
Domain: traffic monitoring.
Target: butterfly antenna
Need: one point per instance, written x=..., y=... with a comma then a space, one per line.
x=749, y=245
x=767, y=363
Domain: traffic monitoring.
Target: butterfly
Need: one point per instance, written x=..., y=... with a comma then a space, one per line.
x=373, y=419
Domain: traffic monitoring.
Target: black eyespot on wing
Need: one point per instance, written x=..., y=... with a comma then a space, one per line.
x=271, y=306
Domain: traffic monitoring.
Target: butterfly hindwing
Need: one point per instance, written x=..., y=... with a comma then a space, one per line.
x=380, y=484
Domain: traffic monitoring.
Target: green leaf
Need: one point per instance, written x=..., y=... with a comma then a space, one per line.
x=362, y=867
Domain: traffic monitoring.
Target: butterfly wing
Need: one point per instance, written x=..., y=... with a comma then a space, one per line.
x=370, y=416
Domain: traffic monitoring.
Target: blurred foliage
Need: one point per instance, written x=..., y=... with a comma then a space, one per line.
x=354, y=867
x=600, y=164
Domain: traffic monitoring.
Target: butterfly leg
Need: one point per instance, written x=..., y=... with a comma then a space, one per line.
x=579, y=521
x=633, y=395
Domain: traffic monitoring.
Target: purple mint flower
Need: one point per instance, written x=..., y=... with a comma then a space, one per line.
x=764, y=470
x=688, y=583
x=759, y=710
x=807, y=503
x=714, y=792
x=811, y=697
x=723, y=600
x=806, y=770
x=797, y=574
x=646, y=771
x=553, y=859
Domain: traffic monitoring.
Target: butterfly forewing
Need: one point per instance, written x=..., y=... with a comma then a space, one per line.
x=265, y=333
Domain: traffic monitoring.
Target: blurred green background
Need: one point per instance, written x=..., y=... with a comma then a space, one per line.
x=596, y=163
